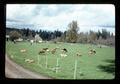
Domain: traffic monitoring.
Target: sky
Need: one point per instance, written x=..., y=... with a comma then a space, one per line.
x=57, y=16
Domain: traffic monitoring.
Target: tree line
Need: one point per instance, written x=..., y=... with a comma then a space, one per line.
x=72, y=35
x=30, y=34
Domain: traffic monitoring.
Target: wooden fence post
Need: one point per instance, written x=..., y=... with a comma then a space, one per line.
x=46, y=61
x=57, y=65
x=38, y=59
x=75, y=69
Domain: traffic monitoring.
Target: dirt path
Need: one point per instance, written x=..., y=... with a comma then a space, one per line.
x=13, y=70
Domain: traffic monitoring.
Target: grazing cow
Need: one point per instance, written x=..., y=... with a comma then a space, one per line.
x=31, y=42
x=29, y=60
x=53, y=50
x=45, y=49
x=79, y=55
x=41, y=52
x=64, y=50
x=92, y=51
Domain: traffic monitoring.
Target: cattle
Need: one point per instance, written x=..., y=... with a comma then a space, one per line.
x=92, y=51
x=41, y=52
x=23, y=50
x=53, y=50
x=100, y=46
x=31, y=42
x=29, y=60
x=45, y=49
x=79, y=55
x=64, y=50
x=63, y=55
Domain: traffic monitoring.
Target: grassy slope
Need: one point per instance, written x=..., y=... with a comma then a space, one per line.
x=90, y=66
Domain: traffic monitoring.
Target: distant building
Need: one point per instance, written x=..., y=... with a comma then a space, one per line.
x=38, y=38
x=19, y=40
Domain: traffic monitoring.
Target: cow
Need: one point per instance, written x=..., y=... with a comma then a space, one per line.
x=64, y=50
x=53, y=50
x=42, y=52
x=92, y=51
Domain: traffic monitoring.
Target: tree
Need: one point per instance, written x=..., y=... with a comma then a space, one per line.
x=71, y=34
x=82, y=38
x=98, y=34
x=27, y=32
x=92, y=37
x=14, y=35
x=105, y=34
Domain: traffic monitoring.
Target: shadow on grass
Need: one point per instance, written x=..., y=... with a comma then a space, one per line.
x=110, y=61
x=109, y=68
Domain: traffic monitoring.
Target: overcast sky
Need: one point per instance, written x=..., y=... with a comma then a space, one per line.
x=58, y=16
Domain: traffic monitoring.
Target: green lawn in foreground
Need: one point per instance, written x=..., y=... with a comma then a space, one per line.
x=99, y=66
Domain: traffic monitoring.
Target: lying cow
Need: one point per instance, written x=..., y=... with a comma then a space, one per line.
x=92, y=51
x=29, y=60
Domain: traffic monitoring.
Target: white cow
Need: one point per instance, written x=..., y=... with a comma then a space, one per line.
x=31, y=41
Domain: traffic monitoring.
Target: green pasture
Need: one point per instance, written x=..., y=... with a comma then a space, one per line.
x=98, y=66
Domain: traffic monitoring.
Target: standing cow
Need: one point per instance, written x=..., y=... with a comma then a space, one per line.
x=31, y=42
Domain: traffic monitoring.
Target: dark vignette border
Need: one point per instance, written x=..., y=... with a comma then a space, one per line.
x=3, y=26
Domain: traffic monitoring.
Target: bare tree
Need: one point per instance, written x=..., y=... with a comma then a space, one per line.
x=71, y=34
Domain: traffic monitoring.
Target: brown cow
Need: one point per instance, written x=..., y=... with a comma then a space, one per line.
x=92, y=51
x=53, y=50
x=41, y=52
x=45, y=49
x=78, y=54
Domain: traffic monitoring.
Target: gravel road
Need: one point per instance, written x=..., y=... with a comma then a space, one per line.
x=13, y=70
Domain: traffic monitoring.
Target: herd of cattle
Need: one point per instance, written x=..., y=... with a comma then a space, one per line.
x=43, y=51
x=63, y=51
x=54, y=50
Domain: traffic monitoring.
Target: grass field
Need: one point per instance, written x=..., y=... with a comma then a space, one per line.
x=98, y=66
